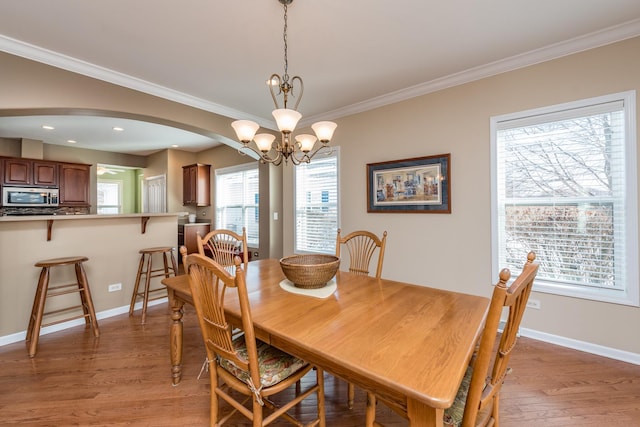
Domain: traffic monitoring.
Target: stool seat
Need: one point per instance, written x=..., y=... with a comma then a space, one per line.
x=61, y=261
x=157, y=250
x=43, y=291
x=146, y=259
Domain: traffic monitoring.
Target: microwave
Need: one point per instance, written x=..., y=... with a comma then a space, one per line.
x=29, y=196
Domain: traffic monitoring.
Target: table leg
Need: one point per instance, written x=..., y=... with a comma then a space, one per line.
x=175, y=336
x=422, y=415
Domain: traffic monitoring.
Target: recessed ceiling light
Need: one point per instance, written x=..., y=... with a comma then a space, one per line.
x=118, y=129
x=71, y=141
x=175, y=146
x=47, y=127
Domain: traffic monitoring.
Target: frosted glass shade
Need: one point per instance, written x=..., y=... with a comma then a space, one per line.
x=286, y=119
x=324, y=130
x=245, y=129
x=264, y=141
x=306, y=141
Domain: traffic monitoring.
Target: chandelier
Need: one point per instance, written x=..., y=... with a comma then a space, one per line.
x=305, y=146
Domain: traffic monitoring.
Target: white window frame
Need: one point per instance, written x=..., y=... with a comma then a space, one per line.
x=120, y=185
x=330, y=243
x=251, y=242
x=629, y=291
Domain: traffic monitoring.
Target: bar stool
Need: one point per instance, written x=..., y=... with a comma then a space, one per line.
x=43, y=292
x=147, y=257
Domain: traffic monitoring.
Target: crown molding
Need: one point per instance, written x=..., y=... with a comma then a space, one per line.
x=589, y=41
x=579, y=44
x=58, y=60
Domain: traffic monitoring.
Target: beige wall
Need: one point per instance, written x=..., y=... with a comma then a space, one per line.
x=111, y=244
x=454, y=251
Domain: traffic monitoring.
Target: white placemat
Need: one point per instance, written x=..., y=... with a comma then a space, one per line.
x=323, y=292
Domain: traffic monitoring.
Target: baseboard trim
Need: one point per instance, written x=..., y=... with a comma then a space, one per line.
x=599, y=350
x=20, y=336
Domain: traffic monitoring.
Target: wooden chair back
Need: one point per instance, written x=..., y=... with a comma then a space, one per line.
x=223, y=246
x=235, y=364
x=209, y=282
x=482, y=406
x=362, y=245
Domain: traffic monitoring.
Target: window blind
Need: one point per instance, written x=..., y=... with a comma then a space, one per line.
x=238, y=201
x=561, y=186
x=316, y=205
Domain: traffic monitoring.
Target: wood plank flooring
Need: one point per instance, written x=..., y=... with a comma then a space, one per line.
x=123, y=378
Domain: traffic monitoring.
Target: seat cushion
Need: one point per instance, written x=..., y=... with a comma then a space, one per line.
x=453, y=415
x=275, y=365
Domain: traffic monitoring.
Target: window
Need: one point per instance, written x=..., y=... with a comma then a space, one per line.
x=109, y=197
x=238, y=201
x=564, y=185
x=316, y=204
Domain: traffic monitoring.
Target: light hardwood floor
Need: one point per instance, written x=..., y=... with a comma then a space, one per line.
x=123, y=378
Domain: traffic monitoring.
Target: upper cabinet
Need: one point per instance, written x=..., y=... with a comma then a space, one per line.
x=30, y=172
x=18, y=172
x=196, y=183
x=45, y=173
x=74, y=184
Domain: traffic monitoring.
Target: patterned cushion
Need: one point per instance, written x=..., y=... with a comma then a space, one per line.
x=275, y=365
x=453, y=415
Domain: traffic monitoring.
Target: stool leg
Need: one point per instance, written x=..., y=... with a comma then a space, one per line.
x=83, y=299
x=174, y=264
x=147, y=283
x=165, y=261
x=33, y=333
x=136, y=286
x=87, y=301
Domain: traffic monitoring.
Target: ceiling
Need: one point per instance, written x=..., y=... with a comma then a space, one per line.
x=353, y=55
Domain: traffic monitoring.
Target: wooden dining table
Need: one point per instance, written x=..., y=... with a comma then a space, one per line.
x=408, y=343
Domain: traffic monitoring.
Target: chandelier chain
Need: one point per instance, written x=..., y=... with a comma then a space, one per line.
x=285, y=77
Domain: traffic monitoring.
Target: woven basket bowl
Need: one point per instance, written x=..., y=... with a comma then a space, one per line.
x=310, y=271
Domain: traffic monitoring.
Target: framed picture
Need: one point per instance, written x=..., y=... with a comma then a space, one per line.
x=418, y=185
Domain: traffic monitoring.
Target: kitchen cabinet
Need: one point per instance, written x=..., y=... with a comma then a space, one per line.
x=188, y=234
x=18, y=172
x=74, y=184
x=29, y=172
x=45, y=174
x=196, y=184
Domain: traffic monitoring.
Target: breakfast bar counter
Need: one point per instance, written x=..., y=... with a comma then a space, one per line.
x=111, y=242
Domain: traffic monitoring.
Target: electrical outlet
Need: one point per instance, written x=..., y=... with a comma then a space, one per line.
x=115, y=287
x=534, y=303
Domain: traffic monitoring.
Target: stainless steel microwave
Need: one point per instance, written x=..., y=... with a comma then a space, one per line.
x=25, y=196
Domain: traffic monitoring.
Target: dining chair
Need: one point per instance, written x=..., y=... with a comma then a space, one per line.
x=361, y=245
x=223, y=245
x=244, y=365
x=478, y=400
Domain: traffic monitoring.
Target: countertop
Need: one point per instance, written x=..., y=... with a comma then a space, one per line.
x=20, y=218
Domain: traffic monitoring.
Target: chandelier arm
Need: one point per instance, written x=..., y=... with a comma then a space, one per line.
x=264, y=157
x=299, y=97
x=308, y=156
x=275, y=78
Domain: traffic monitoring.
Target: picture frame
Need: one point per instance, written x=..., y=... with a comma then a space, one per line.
x=416, y=185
